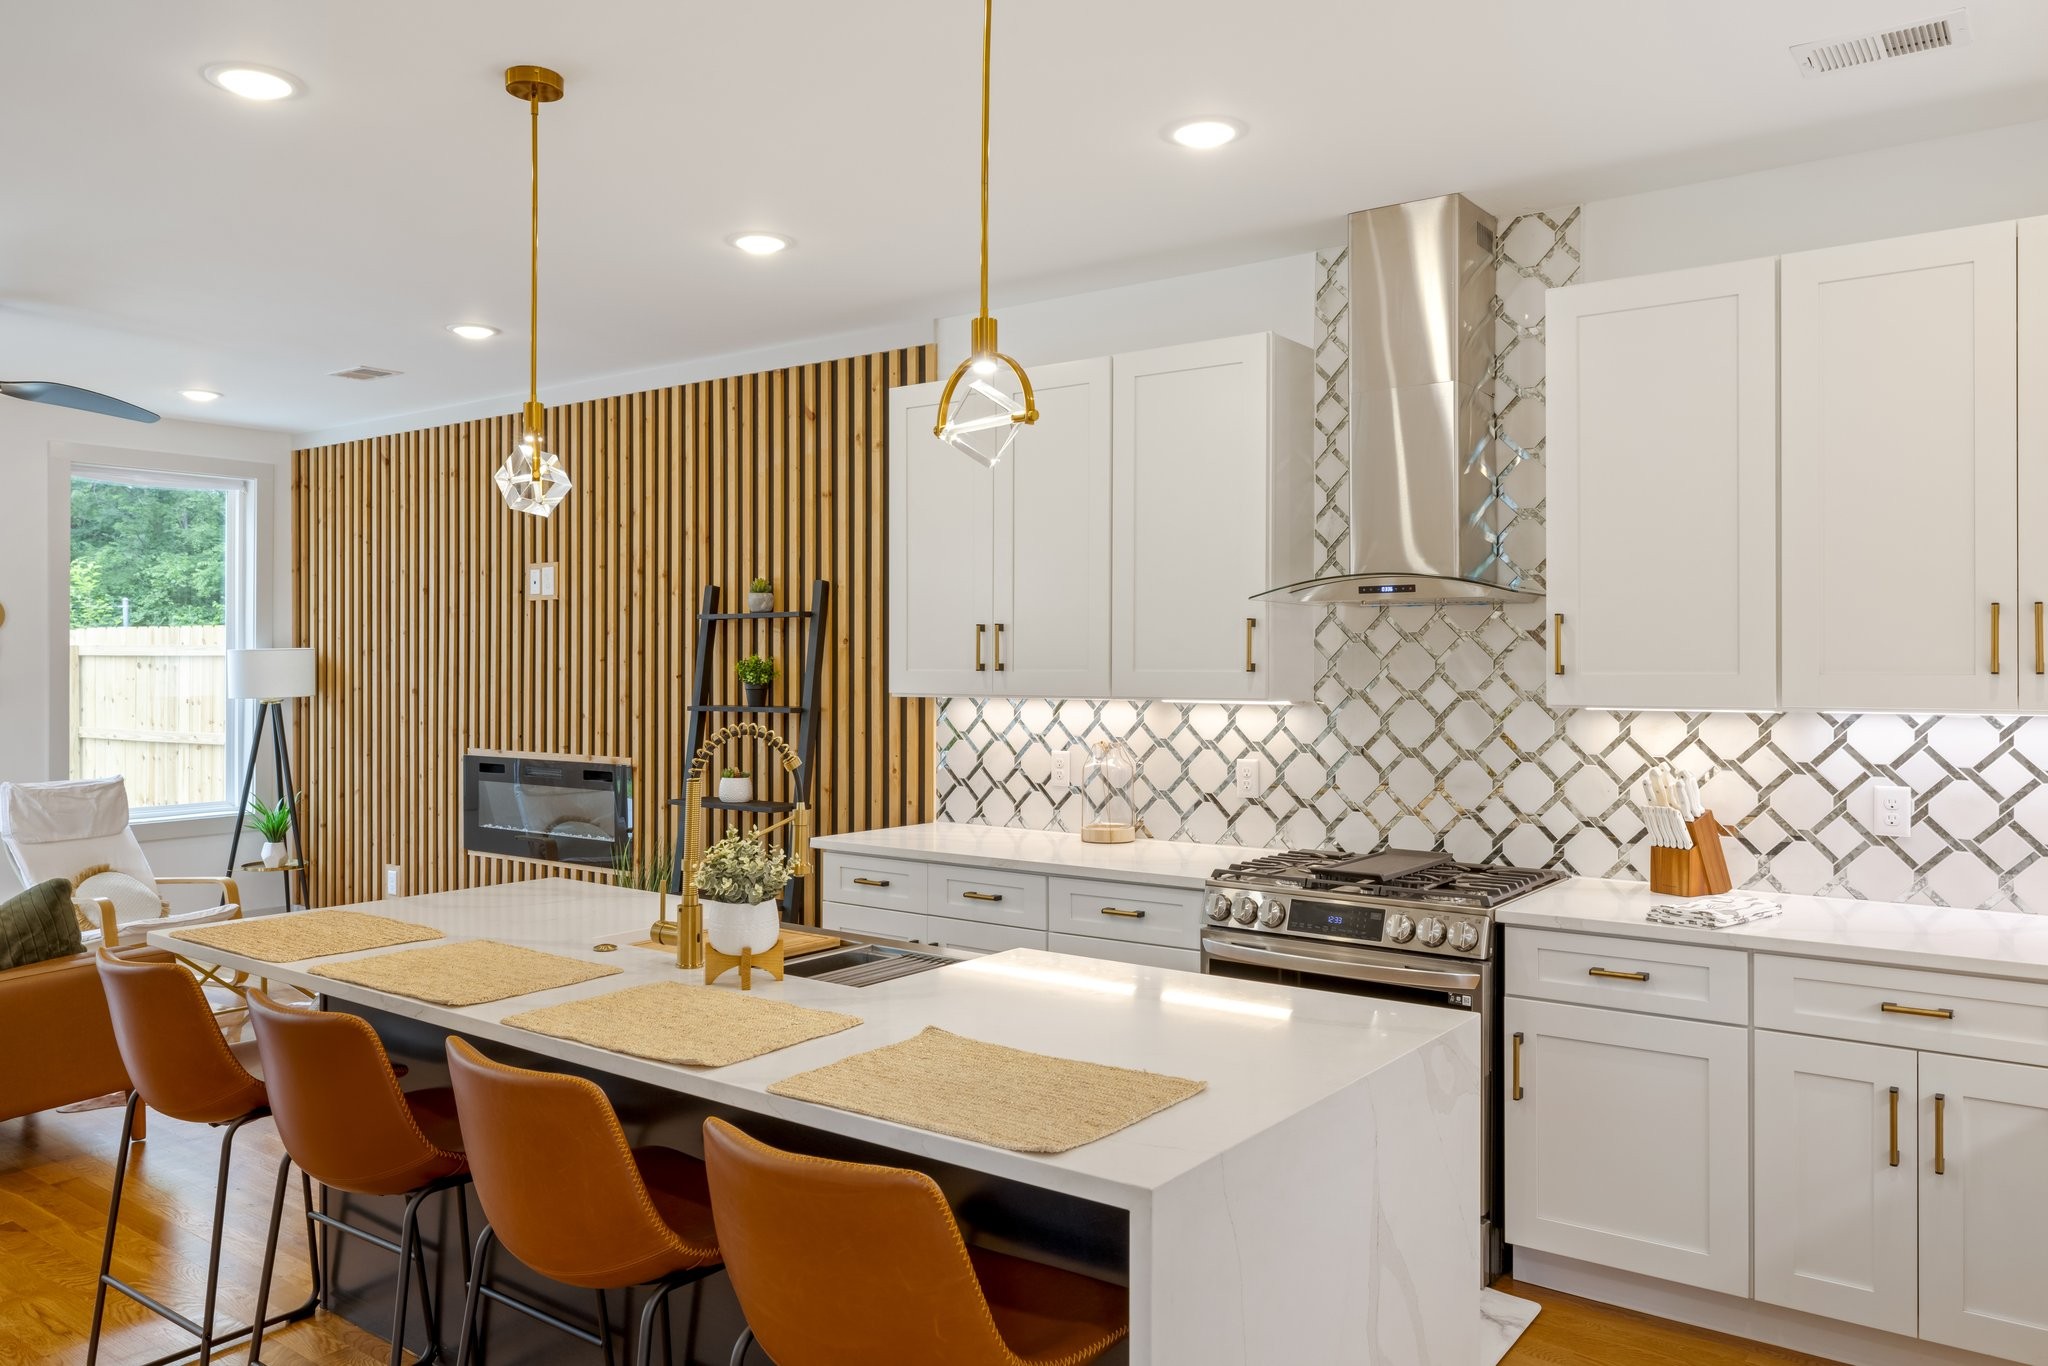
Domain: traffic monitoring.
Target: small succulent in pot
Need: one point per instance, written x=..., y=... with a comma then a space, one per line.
x=760, y=596
x=273, y=821
x=756, y=672
x=738, y=880
x=736, y=786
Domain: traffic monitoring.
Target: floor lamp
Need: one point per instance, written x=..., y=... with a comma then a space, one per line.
x=269, y=677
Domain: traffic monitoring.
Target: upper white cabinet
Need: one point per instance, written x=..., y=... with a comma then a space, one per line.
x=1900, y=546
x=1114, y=551
x=1212, y=505
x=2033, y=461
x=1662, y=497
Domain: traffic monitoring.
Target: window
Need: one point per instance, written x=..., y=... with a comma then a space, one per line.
x=158, y=591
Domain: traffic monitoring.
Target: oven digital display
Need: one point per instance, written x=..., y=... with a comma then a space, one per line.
x=1323, y=917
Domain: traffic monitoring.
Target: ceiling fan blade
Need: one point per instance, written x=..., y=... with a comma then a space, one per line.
x=71, y=396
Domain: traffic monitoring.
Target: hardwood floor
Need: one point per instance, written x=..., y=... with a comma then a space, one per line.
x=1575, y=1332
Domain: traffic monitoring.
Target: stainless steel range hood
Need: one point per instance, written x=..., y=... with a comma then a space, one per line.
x=1423, y=459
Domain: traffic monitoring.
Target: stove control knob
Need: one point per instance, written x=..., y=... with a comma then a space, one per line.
x=1219, y=906
x=1273, y=916
x=1430, y=933
x=1247, y=909
x=1400, y=929
x=1464, y=936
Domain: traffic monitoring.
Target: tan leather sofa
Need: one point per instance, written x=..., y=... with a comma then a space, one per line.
x=60, y=1041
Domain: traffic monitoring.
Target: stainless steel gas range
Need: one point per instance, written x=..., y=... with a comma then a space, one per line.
x=1399, y=925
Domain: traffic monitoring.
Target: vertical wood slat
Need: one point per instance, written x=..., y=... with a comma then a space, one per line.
x=409, y=584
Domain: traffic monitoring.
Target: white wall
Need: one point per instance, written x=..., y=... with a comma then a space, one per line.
x=1915, y=187
x=36, y=441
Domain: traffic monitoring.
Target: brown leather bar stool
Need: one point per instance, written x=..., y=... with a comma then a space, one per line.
x=843, y=1264
x=180, y=1066
x=345, y=1121
x=565, y=1195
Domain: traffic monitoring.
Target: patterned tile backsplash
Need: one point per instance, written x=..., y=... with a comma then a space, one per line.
x=1429, y=727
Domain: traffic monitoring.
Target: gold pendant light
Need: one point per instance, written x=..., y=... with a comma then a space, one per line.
x=981, y=419
x=532, y=479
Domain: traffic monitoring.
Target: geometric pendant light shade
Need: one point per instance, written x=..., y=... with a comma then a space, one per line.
x=532, y=479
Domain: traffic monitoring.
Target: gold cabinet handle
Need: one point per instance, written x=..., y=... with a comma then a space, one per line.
x=871, y=882
x=1994, y=637
x=981, y=896
x=1895, y=1126
x=999, y=647
x=1940, y=1134
x=1557, y=644
x=1120, y=911
x=1518, y=1066
x=1251, y=665
x=1926, y=1012
x=980, y=630
x=2040, y=639
x=1618, y=976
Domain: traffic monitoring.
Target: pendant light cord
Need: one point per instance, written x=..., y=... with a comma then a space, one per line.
x=987, y=48
x=533, y=300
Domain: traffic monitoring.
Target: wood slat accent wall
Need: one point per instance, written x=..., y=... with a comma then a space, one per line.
x=410, y=582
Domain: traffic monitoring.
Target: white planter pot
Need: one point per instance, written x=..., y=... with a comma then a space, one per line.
x=735, y=789
x=733, y=929
x=760, y=602
x=273, y=854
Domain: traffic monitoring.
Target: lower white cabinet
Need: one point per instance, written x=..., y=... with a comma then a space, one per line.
x=1627, y=1141
x=1837, y=1173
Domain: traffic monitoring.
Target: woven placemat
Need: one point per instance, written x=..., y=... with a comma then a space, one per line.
x=1005, y=1097
x=468, y=973
x=685, y=1025
x=306, y=934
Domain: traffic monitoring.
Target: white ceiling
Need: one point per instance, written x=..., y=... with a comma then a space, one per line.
x=157, y=234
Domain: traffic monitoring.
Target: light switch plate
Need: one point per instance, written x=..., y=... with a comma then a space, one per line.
x=1891, y=810
x=1254, y=775
x=540, y=581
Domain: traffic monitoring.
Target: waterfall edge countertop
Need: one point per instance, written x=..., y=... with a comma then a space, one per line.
x=1157, y=863
x=1341, y=1128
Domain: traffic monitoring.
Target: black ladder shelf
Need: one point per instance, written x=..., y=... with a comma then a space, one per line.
x=703, y=709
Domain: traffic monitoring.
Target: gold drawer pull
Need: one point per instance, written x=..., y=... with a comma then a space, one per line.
x=1120, y=911
x=980, y=631
x=1940, y=1134
x=1994, y=637
x=1518, y=1065
x=1926, y=1012
x=1618, y=976
x=999, y=647
x=1557, y=644
x=981, y=896
x=871, y=882
x=2041, y=637
x=1251, y=624
x=1895, y=1126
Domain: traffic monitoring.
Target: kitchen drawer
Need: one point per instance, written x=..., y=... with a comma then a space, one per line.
x=1989, y=1016
x=1125, y=910
x=1121, y=951
x=1629, y=974
x=890, y=884
x=989, y=895
x=840, y=915
x=979, y=936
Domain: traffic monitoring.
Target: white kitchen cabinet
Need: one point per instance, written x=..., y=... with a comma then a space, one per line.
x=1983, y=1206
x=1837, y=1179
x=999, y=579
x=1212, y=503
x=1900, y=545
x=2033, y=462
x=1662, y=462
x=1627, y=1141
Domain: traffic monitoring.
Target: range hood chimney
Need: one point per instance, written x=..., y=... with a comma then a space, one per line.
x=1423, y=458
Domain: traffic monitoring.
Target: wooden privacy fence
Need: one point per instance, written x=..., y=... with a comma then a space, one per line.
x=150, y=703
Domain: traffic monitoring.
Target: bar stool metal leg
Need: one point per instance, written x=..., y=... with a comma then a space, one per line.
x=739, y=1349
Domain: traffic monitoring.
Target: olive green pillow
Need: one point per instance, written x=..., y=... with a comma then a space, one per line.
x=38, y=925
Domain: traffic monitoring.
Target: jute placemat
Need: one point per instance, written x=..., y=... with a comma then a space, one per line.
x=467, y=973
x=685, y=1025
x=306, y=934
x=1005, y=1097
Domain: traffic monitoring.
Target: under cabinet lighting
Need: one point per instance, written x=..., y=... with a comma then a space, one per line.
x=260, y=83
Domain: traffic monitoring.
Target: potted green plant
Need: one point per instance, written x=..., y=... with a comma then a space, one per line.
x=760, y=596
x=756, y=673
x=738, y=881
x=735, y=786
x=273, y=821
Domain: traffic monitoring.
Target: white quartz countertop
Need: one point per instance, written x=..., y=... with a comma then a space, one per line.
x=1162, y=863
x=1268, y=1053
x=1941, y=938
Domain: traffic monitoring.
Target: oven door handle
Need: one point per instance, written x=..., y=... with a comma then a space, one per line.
x=1426, y=979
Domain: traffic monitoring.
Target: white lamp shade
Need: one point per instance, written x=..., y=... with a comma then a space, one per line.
x=268, y=674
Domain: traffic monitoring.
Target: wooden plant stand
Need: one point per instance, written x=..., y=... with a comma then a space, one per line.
x=716, y=964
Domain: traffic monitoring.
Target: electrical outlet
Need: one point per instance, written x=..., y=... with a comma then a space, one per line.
x=391, y=874
x=1254, y=775
x=1892, y=810
x=1069, y=764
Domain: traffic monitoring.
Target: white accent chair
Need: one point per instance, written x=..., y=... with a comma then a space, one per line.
x=79, y=831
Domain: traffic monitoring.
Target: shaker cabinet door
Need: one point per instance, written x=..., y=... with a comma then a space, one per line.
x=941, y=560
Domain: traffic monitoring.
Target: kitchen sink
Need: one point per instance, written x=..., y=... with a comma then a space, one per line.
x=863, y=965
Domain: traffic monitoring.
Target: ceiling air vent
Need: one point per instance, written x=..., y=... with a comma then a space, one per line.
x=1864, y=49
x=365, y=372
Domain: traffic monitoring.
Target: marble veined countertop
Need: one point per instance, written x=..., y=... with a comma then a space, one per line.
x=1161, y=863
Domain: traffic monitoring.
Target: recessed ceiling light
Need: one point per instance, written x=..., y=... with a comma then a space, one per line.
x=759, y=243
x=253, y=82
x=472, y=331
x=1203, y=134
x=200, y=395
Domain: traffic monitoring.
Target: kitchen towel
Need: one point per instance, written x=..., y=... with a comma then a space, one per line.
x=306, y=934
x=1004, y=1097
x=468, y=973
x=689, y=1026
x=1714, y=912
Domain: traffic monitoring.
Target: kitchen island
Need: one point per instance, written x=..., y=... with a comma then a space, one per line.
x=1316, y=1203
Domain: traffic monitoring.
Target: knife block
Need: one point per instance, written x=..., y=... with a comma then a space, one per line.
x=1699, y=871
